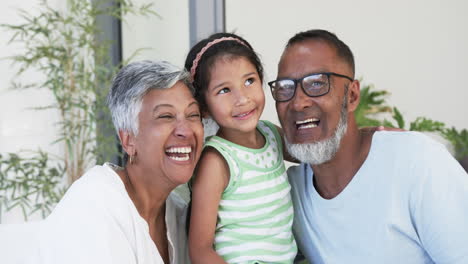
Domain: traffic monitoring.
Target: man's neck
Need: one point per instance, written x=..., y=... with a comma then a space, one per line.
x=332, y=177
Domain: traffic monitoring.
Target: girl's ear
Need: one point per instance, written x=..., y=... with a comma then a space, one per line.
x=128, y=142
x=354, y=95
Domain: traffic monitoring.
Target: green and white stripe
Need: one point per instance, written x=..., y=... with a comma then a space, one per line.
x=255, y=213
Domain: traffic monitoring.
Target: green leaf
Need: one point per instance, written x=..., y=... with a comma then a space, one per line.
x=398, y=118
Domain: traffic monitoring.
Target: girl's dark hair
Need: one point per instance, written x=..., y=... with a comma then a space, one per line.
x=229, y=48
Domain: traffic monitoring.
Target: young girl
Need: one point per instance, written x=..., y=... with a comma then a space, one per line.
x=241, y=206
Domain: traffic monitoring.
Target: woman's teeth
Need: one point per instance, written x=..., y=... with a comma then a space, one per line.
x=182, y=158
x=179, y=150
x=179, y=153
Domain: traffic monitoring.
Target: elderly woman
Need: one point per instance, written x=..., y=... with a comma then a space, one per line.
x=130, y=214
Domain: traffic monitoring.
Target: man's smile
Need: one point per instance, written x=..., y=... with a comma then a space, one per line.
x=307, y=123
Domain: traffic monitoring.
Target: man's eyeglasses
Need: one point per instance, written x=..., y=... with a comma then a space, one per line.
x=313, y=85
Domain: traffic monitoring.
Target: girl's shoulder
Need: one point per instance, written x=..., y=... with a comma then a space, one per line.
x=265, y=124
x=270, y=131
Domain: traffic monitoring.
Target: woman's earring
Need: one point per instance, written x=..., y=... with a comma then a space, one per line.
x=132, y=159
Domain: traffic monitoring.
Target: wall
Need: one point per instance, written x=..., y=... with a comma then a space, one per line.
x=22, y=128
x=166, y=37
x=163, y=38
x=414, y=49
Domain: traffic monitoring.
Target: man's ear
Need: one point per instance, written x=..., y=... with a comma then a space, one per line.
x=354, y=95
x=128, y=142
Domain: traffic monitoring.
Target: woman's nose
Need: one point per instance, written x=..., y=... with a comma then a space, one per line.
x=183, y=129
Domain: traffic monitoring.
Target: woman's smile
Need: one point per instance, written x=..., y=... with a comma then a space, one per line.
x=181, y=153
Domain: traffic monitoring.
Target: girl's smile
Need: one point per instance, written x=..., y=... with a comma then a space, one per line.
x=245, y=115
x=235, y=96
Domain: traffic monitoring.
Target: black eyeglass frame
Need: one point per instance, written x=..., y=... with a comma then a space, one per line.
x=299, y=80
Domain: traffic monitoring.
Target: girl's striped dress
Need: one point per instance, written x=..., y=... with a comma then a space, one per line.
x=255, y=214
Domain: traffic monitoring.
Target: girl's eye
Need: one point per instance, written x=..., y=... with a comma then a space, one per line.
x=249, y=81
x=223, y=91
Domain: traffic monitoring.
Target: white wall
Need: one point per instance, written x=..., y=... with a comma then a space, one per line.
x=20, y=127
x=164, y=38
x=417, y=50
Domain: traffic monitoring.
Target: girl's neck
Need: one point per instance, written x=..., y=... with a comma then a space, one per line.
x=252, y=139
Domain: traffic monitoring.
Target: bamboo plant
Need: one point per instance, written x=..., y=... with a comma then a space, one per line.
x=64, y=47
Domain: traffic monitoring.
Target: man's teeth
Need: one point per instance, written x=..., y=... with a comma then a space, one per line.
x=308, y=123
x=179, y=150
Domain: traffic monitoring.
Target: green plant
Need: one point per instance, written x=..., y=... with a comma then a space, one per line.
x=459, y=140
x=64, y=46
x=24, y=178
x=372, y=103
x=420, y=124
x=373, y=108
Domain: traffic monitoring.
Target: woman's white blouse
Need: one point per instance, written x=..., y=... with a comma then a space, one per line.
x=97, y=222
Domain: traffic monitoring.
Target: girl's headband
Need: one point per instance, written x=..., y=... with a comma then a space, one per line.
x=207, y=46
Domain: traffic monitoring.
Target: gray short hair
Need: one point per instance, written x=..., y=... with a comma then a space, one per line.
x=133, y=82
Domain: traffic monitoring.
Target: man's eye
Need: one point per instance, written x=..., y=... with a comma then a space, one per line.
x=224, y=90
x=166, y=116
x=317, y=84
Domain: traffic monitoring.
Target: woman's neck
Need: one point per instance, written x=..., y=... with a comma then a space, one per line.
x=252, y=139
x=148, y=197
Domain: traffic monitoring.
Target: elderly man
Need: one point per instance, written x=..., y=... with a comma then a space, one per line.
x=362, y=197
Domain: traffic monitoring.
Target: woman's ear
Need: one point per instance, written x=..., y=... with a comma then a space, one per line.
x=354, y=95
x=128, y=142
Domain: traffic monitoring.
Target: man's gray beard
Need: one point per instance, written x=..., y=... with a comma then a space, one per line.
x=322, y=151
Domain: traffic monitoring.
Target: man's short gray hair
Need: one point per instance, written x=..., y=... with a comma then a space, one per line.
x=133, y=82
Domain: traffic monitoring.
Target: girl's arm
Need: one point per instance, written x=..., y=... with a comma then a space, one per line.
x=211, y=178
